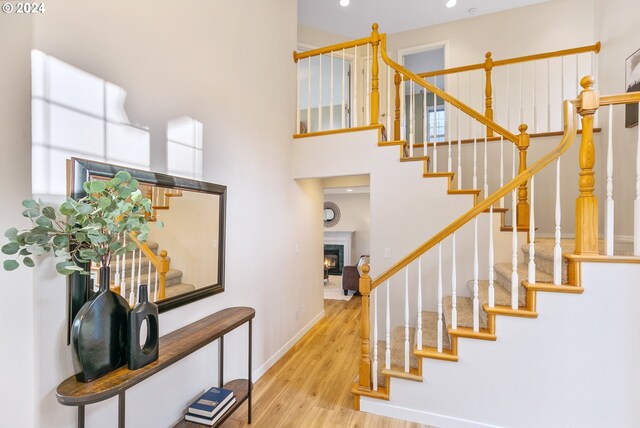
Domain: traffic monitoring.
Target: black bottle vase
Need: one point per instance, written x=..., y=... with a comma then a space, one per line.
x=141, y=355
x=99, y=333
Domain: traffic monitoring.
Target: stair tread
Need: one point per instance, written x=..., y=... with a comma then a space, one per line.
x=504, y=269
x=397, y=349
x=544, y=247
x=464, y=309
x=430, y=331
x=501, y=296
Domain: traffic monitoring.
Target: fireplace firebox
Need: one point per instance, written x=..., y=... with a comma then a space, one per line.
x=334, y=258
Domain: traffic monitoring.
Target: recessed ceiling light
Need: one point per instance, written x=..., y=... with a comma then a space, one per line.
x=344, y=3
x=451, y=3
x=349, y=190
x=473, y=11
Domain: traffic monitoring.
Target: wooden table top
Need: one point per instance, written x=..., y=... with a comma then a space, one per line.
x=173, y=347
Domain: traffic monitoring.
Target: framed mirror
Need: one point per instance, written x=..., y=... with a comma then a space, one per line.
x=181, y=262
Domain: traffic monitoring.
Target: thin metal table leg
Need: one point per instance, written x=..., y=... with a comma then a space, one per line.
x=121, y=409
x=221, y=362
x=80, y=416
x=249, y=377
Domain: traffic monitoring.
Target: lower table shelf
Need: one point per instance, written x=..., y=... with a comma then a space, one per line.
x=240, y=388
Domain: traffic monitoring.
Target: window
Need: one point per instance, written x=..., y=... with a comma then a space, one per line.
x=436, y=119
x=184, y=147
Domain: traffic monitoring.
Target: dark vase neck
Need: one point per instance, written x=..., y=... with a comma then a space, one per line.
x=142, y=294
x=105, y=277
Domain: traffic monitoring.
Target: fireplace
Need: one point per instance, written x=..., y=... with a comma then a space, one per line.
x=334, y=258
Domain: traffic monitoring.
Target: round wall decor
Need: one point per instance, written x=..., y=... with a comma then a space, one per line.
x=331, y=214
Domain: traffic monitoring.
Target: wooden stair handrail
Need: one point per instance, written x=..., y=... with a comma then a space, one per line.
x=444, y=95
x=526, y=58
x=331, y=48
x=161, y=264
x=523, y=177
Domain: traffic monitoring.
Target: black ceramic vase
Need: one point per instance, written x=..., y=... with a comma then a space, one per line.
x=99, y=333
x=141, y=354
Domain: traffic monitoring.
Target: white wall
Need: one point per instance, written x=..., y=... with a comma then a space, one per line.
x=174, y=61
x=617, y=29
x=574, y=366
x=354, y=217
x=17, y=305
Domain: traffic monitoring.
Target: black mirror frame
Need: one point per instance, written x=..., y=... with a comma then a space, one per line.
x=81, y=170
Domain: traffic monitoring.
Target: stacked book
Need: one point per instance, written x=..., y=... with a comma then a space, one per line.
x=210, y=406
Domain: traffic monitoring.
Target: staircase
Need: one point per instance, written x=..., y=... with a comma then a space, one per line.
x=517, y=272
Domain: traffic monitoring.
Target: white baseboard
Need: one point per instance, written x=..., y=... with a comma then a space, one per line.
x=371, y=405
x=257, y=374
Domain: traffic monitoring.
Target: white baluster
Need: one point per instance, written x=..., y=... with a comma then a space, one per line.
x=139, y=274
x=298, y=98
x=342, y=106
x=532, y=237
x=475, y=156
x=425, y=127
x=447, y=118
x=367, y=107
x=117, y=275
x=514, y=239
x=501, y=168
x=636, y=204
x=608, y=228
x=389, y=112
x=577, y=76
x=123, y=278
x=459, y=136
x=354, y=73
x=535, y=119
x=155, y=292
x=454, y=286
x=439, y=297
x=435, y=126
x=403, y=110
x=476, y=304
x=320, y=94
x=508, y=112
x=309, y=94
x=375, y=340
x=419, y=326
x=412, y=118
x=331, y=95
x=557, y=250
x=486, y=169
x=548, y=96
x=491, y=271
x=562, y=77
x=521, y=98
x=387, y=354
x=132, y=297
x=406, y=319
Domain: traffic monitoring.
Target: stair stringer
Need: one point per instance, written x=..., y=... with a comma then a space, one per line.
x=574, y=365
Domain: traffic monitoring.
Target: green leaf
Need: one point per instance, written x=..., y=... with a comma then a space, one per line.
x=28, y=262
x=29, y=203
x=160, y=224
x=98, y=186
x=60, y=241
x=81, y=237
x=125, y=192
x=87, y=186
x=66, y=267
x=10, y=248
x=43, y=221
x=84, y=209
x=131, y=246
x=66, y=208
x=10, y=265
x=25, y=252
x=11, y=233
x=88, y=254
x=123, y=176
x=115, y=181
x=49, y=212
x=31, y=213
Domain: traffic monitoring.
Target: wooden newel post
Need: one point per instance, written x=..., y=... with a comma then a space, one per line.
x=523, y=198
x=488, y=91
x=397, y=80
x=364, y=382
x=375, y=96
x=162, y=282
x=587, y=203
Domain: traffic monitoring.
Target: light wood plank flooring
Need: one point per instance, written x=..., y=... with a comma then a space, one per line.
x=310, y=386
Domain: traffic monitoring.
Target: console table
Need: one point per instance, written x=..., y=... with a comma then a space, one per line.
x=173, y=347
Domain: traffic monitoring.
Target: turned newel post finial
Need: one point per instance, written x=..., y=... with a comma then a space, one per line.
x=522, y=211
x=488, y=91
x=375, y=96
x=587, y=203
x=364, y=370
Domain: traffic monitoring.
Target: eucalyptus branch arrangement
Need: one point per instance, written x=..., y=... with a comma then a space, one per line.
x=85, y=230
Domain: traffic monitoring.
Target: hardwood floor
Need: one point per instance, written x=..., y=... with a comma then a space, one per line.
x=310, y=386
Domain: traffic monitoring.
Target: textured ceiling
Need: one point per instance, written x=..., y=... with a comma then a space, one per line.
x=393, y=15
